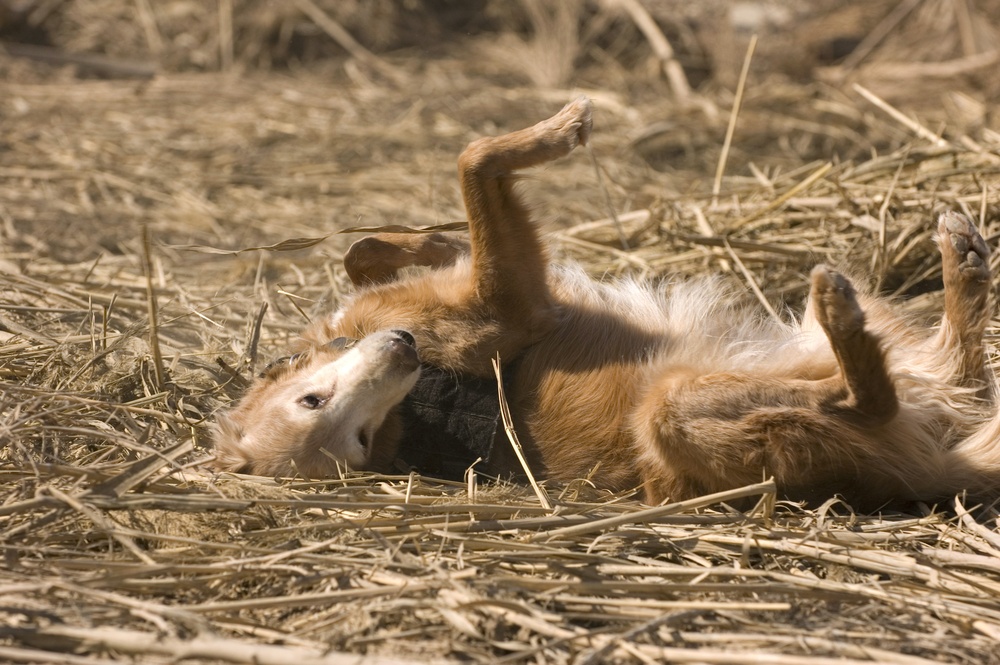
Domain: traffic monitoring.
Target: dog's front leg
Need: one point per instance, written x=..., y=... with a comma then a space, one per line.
x=508, y=259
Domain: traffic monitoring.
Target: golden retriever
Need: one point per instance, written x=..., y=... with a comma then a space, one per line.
x=678, y=389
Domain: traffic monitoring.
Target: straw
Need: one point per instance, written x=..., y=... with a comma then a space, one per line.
x=119, y=545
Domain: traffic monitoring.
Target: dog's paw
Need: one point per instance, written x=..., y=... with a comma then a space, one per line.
x=572, y=125
x=963, y=251
x=835, y=303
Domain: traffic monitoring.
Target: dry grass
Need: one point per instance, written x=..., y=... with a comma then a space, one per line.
x=114, y=353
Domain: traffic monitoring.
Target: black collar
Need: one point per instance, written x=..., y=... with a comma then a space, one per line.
x=449, y=421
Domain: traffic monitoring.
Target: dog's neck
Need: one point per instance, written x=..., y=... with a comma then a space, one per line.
x=450, y=421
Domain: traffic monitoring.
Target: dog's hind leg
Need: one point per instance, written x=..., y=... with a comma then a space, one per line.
x=508, y=260
x=379, y=258
x=966, y=273
x=863, y=392
x=710, y=432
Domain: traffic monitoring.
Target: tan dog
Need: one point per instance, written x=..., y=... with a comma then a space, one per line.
x=677, y=388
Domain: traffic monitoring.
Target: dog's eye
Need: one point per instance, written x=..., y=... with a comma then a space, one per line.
x=342, y=343
x=312, y=401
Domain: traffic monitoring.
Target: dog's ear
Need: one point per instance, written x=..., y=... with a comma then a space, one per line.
x=384, y=258
x=276, y=368
x=229, y=454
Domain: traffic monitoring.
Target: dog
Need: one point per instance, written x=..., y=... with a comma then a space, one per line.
x=677, y=389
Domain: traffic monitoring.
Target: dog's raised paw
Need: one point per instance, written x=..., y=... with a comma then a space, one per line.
x=965, y=254
x=573, y=124
x=835, y=302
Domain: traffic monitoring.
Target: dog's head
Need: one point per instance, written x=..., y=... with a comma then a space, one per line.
x=330, y=406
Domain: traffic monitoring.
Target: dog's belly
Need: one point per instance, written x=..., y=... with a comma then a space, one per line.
x=578, y=422
x=573, y=391
x=576, y=391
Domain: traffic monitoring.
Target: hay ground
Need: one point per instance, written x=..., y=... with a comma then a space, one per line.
x=128, y=315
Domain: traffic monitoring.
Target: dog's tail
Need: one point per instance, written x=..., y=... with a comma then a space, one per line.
x=974, y=463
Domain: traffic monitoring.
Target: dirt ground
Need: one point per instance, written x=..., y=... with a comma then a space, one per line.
x=178, y=183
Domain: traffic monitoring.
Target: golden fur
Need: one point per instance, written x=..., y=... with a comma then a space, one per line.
x=678, y=388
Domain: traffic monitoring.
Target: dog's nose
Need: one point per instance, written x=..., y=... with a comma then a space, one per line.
x=406, y=337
